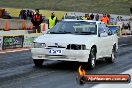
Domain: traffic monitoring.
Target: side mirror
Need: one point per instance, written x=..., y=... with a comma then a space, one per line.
x=103, y=34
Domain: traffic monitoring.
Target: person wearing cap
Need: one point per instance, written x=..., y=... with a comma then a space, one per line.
x=36, y=21
x=52, y=21
x=104, y=19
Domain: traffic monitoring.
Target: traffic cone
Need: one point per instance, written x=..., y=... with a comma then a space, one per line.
x=6, y=26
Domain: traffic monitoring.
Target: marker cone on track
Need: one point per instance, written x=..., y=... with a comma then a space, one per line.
x=6, y=26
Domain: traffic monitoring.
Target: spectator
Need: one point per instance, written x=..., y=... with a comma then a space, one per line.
x=121, y=18
x=31, y=14
x=65, y=16
x=21, y=14
x=97, y=17
x=24, y=14
x=88, y=17
x=104, y=19
x=28, y=14
x=52, y=20
x=130, y=18
x=84, y=17
x=131, y=10
x=91, y=16
x=108, y=15
x=117, y=19
x=129, y=27
x=37, y=20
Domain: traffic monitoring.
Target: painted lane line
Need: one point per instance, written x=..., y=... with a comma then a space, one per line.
x=14, y=51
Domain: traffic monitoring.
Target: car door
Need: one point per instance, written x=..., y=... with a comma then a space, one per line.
x=109, y=40
x=102, y=42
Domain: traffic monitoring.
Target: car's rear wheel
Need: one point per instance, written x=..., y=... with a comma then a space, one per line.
x=38, y=62
x=113, y=56
x=92, y=59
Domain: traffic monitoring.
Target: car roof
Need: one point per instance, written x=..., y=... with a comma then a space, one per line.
x=81, y=20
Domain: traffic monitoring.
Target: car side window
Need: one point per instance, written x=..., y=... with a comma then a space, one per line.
x=100, y=29
x=107, y=30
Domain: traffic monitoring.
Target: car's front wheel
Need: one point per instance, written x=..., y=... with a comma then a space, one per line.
x=92, y=59
x=38, y=62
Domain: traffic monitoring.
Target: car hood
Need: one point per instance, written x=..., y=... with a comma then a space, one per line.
x=65, y=39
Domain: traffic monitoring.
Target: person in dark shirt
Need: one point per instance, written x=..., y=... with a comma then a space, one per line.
x=131, y=10
x=108, y=15
x=24, y=15
x=97, y=17
x=91, y=16
x=37, y=20
x=28, y=14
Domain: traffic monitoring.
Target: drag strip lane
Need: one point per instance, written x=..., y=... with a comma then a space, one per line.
x=59, y=74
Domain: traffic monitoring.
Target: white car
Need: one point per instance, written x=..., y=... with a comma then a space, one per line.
x=76, y=40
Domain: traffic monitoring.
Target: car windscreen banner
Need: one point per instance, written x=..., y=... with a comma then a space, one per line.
x=1, y=42
x=11, y=42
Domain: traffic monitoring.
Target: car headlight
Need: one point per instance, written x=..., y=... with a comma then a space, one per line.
x=39, y=45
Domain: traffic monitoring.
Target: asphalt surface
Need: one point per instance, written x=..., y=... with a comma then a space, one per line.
x=17, y=69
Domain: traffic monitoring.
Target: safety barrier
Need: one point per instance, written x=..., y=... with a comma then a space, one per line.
x=15, y=24
x=19, y=24
x=17, y=41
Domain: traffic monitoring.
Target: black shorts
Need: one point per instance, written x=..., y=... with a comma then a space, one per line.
x=36, y=29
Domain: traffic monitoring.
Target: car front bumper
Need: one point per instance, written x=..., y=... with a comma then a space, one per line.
x=67, y=55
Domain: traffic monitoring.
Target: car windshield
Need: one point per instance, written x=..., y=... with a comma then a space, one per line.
x=70, y=17
x=74, y=27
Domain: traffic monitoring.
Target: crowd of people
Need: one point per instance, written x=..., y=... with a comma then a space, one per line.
x=36, y=18
x=105, y=18
x=26, y=14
